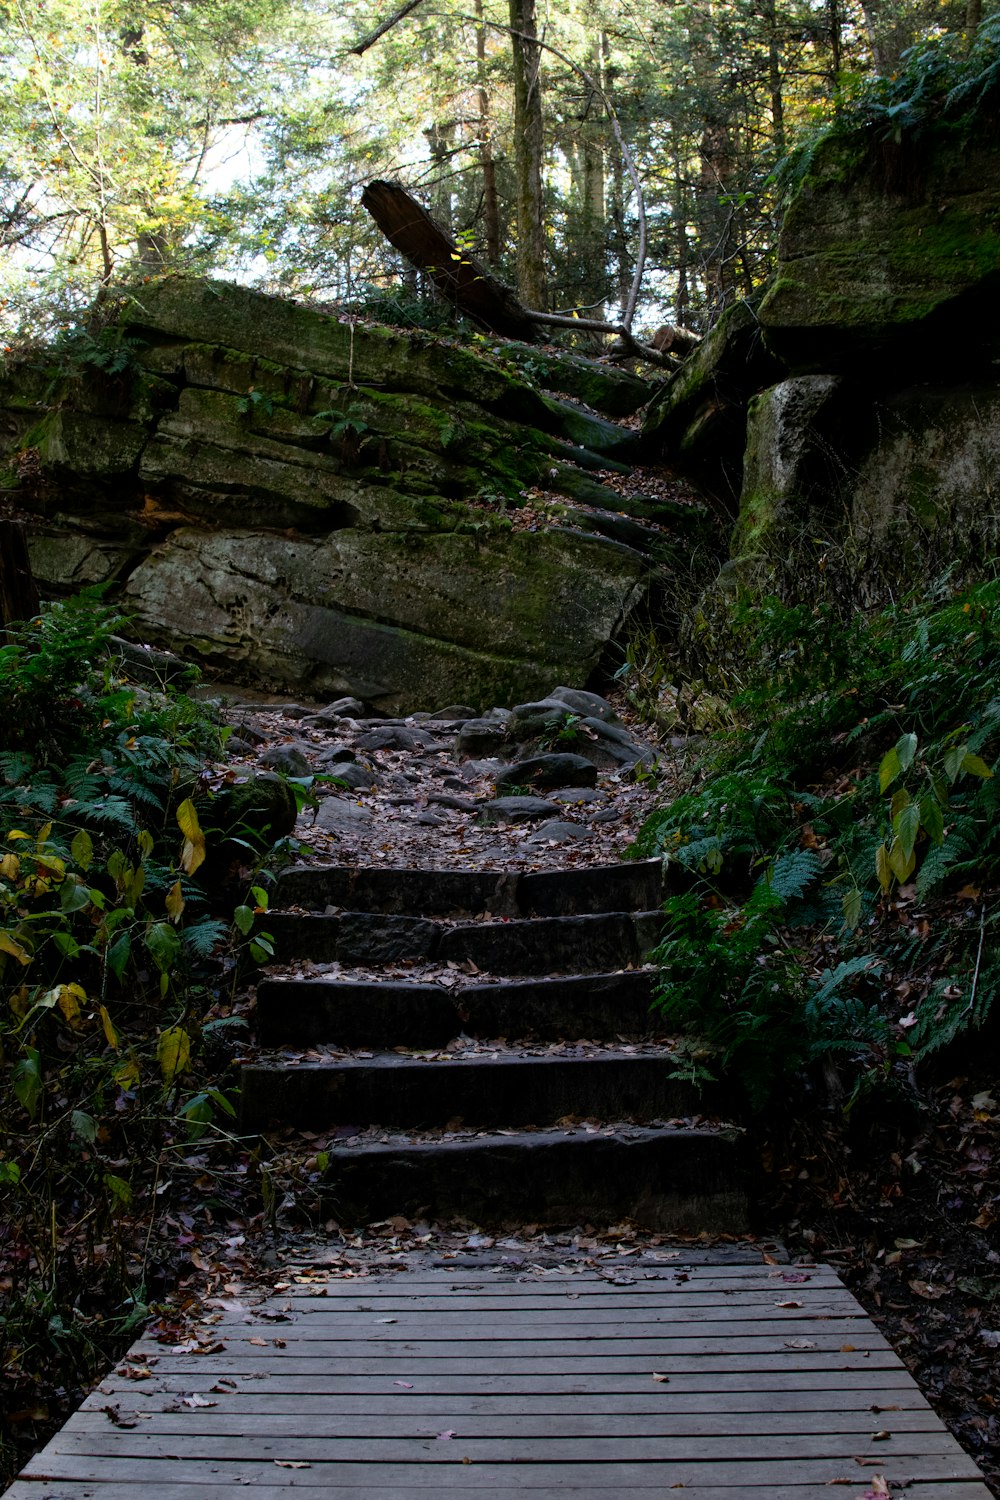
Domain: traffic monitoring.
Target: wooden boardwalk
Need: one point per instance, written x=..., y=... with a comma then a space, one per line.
x=714, y=1381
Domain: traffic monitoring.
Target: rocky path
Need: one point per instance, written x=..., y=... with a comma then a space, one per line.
x=460, y=1018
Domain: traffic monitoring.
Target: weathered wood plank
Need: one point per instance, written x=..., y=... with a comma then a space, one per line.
x=234, y=1361
x=464, y=1323
x=498, y=1477
x=595, y=1303
x=639, y=1405
x=181, y=1424
x=596, y=1490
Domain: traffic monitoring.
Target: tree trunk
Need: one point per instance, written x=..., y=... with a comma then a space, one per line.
x=491, y=199
x=528, y=154
x=18, y=594
x=458, y=276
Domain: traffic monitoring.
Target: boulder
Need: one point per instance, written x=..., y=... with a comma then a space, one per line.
x=698, y=419
x=889, y=251
x=548, y=771
x=515, y=810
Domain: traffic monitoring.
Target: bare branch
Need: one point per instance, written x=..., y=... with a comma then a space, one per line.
x=369, y=41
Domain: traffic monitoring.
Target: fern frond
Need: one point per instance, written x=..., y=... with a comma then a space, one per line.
x=202, y=938
x=791, y=874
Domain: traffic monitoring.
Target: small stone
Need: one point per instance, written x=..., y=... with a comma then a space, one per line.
x=337, y=814
x=348, y=708
x=334, y=755
x=552, y=770
x=289, y=759
x=576, y=796
x=607, y=815
x=456, y=804
x=358, y=778
x=480, y=737
x=589, y=705
x=452, y=783
x=430, y=820
x=558, y=832
x=325, y=720
x=454, y=713
x=397, y=737
x=515, y=810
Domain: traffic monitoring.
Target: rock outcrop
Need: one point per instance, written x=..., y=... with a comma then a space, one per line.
x=334, y=507
x=862, y=391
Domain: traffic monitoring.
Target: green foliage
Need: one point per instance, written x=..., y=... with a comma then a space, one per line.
x=860, y=777
x=116, y=973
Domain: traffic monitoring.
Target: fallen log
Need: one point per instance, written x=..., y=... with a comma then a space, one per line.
x=458, y=276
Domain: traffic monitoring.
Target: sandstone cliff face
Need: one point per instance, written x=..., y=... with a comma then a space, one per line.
x=334, y=507
x=857, y=405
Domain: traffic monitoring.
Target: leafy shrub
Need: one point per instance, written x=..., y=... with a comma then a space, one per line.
x=860, y=777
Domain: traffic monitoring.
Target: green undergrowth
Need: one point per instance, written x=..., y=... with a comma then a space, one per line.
x=118, y=965
x=836, y=858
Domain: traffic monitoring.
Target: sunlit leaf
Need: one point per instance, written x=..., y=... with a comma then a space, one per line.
x=882, y=867
x=976, y=766
x=9, y=944
x=110, y=1034
x=174, y=902
x=173, y=1052
x=82, y=849
x=69, y=997
x=888, y=770
x=193, y=850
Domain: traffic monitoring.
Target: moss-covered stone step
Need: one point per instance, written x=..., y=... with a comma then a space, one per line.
x=667, y=1180
x=388, y=1013
x=570, y=945
x=483, y=1091
x=439, y=893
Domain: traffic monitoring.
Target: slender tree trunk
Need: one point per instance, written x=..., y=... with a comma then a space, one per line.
x=528, y=154
x=491, y=201
x=973, y=16
x=774, y=81
x=18, y=594
x=682, y=302
x=836, y=43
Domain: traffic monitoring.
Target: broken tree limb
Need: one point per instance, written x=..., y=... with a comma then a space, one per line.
x=458, y=276
x=474, y=290
x=628, y=160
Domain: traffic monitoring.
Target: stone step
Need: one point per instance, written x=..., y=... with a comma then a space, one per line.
x=666, y=1180
x=482, y=1090
x=389, y=1013
x=541, y=945
x=441, y=893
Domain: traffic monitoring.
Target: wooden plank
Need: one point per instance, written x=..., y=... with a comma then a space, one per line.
x=251, y=1399
x=594, y=1302
x=169, y=1489
x=83, y=1436
x=554, y=1351
x=498, y=1477
x=470, y=1329
x=183, y=1423
x=458, y=1320
x=477, y=1371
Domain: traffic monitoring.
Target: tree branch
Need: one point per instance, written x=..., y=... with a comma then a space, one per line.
x=361, y=47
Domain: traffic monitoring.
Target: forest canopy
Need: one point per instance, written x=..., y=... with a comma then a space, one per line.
x=234, y=137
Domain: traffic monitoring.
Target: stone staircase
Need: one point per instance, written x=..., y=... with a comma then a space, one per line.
x=514, y=1076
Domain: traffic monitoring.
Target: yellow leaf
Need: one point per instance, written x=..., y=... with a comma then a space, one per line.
x=43, y=835
x=110, y=1034
x=10, y=866
x=17, y=834
x=68, y=999
x=193, y=851
x=9, y=944
x=174, y=902
x=127, y=1075
x=173, y=1052
x=882, y=867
